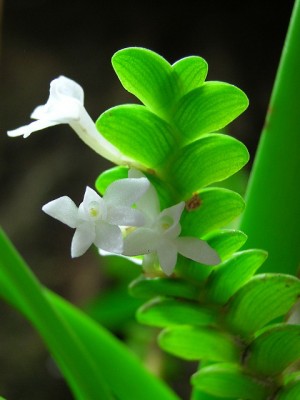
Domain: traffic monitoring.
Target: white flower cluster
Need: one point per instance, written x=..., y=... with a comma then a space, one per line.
x=103, y=221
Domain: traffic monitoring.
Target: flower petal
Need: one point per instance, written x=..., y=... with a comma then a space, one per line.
x=108, y=237
x=91, y=195
x=167, y=256
x=125, y=192
x=125, y=216
x=64, y=210
x=63, y=111
x=197, y=250
x=28, y=129
x=173, y=212
x=83, y=238
x=63, y=86
x=141, y=241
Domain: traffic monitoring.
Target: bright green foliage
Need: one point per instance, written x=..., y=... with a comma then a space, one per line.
x=190, y=72
x=290, y=392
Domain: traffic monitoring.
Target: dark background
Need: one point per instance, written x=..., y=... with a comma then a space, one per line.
x=42, y=39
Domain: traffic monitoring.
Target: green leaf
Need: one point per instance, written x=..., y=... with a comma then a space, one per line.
x=217, y=208
x=109, y=176
x=225, y=242
x=145, y=288
x=229, y=380
x=208, y=108
x=229, y=276
x=210, y=159
x=198, y=343
x=148, y=76
x=261, y=300
x=138, y=133
x=274, y=350
x=191, y=72
x=289, y=392
x=163, y=312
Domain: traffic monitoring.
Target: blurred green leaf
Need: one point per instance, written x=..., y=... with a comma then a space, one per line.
x=164, y=312
x=208, y=108
x=217, y=208
x=274, y=349
x=199, y=343
x=138, y=133
x=261, y=300
x=191, y=72
x=229, y=276
x=229, y=380
x=210, y=159
x=148, y=76
x=289, y=392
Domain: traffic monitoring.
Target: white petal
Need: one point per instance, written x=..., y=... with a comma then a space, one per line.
x=83, y=238
x=64, y=210
x=197, y=250
x=125, y=192
x=108, y=237
x=125, y=216
x=28, y=129
x=63, y=86
x=91, y=195
x=167, y=256
x=174, y=212
x=141, y=241
x=63, y=111
x=135, y=260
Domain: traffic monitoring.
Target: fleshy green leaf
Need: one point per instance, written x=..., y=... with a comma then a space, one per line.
x=198, y=343
x=162, y=312
x=274, y=350
x=210, y=159
x=229, y=380
x=289, y=392
x=109, y=176
x=262, y=299
x=148, y=76
x=229, y=276
x=191, y=72
x=144, y=287
x=209, y=108
x=217, y=208
x=137, y=133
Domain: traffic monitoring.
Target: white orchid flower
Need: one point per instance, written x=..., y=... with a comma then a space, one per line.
x=159, y=240
x=98, y=219
x=65, y=106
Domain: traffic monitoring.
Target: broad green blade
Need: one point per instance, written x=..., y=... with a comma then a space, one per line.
x=109, y=176
x=208, y=108
x=148, y=76
x=217, y=208
x=210, y=159
x=274, y=350
x=229, y=276
x=198, y=343
x=146, y=288
x=261, y=300
x=87, y=354
x=138, y=133
x=289, y=392
x=229, y=380
x=164, y=312
x=191, y=73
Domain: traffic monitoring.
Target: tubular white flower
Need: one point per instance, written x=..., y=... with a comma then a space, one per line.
x=159, y=237
x=65, y=106
x=98, y=219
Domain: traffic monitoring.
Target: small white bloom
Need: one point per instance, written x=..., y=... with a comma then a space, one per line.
x=98, y=219
x=159, y=238
x=65, y=106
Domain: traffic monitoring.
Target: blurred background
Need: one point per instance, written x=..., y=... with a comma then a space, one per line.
x=42, y=39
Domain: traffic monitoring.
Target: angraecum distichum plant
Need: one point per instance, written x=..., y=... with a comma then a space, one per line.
x=202, y=282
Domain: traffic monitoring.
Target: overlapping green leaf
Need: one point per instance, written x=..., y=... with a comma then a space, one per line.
x=229, y=380
x=229, y=276
x=210, y=159
x=217, y=208
x=109, y=176
x=191, y=73
x=164, y=312
x=138, y=133
x=148, y=76
x=208, y=108
x=144, y=287
x=261, y=300
x=289, y=392
x=274, y=350
x=199, y=343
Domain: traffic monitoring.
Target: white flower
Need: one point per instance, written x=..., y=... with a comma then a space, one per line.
x=97, y=219
x=159, y=237
x=65, y=106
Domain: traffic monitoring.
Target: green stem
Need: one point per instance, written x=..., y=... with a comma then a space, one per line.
x=272, y=215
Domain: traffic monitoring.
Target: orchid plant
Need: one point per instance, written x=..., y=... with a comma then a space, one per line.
x=161, y=207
